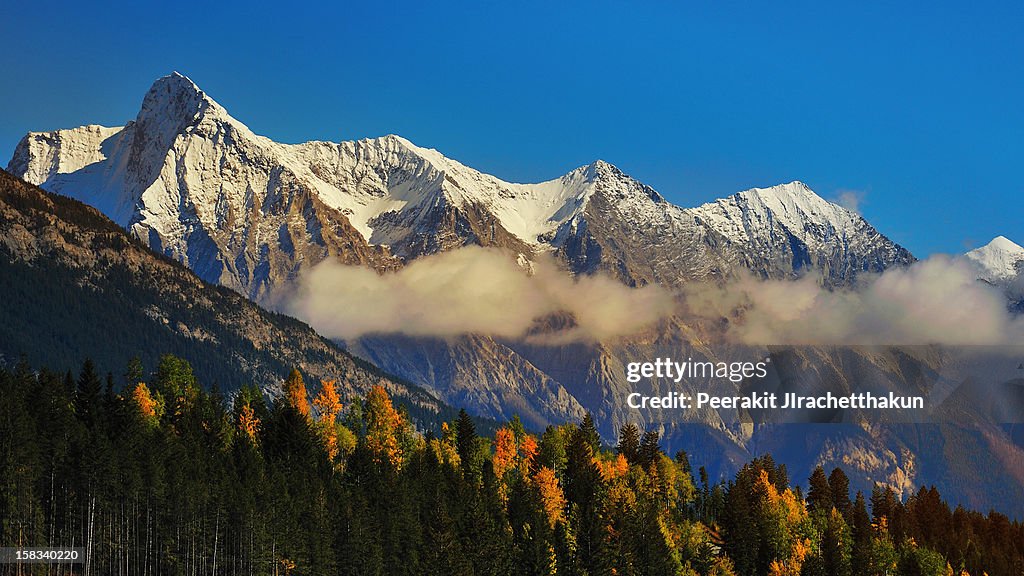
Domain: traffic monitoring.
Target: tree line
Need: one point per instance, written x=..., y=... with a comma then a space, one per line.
x=152, y=475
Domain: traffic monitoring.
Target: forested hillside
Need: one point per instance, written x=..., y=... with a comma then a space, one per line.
x=73, y=284
x=151, y=474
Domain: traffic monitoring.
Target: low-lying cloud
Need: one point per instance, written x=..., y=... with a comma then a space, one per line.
x=484, y=291
x=935, y=301
x=472, y=290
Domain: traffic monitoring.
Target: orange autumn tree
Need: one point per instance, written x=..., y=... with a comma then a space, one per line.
x=383, y=426
x=528, y=449
x=612, y=469
x=248, y=422
x=295, y=392
x=148, y=406
x=505, y=452
x=551, y=495
x=514, y=450
x=328, y=404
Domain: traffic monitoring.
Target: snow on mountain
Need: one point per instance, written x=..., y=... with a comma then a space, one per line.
x=390, y=184
x=794, y=227
x=198, y=185
x=999, y=261
x=748, y=215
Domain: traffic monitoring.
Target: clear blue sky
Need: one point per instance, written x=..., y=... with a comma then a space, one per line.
x=919, y=109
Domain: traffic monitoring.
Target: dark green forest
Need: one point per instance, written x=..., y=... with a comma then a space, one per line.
x=152, y=474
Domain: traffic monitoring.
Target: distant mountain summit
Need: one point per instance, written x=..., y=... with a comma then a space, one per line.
x=196, y=184
x=790, y=227
x=999, y=261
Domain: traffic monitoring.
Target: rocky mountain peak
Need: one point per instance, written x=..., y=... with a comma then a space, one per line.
x=172, y=103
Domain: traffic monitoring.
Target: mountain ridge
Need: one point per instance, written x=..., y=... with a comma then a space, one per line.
x=223, y=195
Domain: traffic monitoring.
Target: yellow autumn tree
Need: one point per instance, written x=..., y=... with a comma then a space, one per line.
x=786, y=513
x=295, y=392
x=148, y=406
x=248, y=422
x=551, y=495
x=383, y=425
x=328, y=404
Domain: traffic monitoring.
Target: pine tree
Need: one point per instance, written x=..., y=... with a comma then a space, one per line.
x=88, y=395
x=650, y=450
x=839, y=489
x=819, y=496
x=466, y=442
x=629, y=443
x=551, y=451
x=590, y=434
x=584, y=490
x=134, y=372
x=836, y=544
x=861, y=555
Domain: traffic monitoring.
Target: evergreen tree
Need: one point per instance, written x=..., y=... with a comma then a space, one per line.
x=839, y=489
x=88, y=395
x=836, y=544
x=819, y=496
x=589, y=431
x=629, y=443
x=551, y=451
x=134, y=372
x=650, y=450
x=466, y=442
x=860, y=559
x=584, y=491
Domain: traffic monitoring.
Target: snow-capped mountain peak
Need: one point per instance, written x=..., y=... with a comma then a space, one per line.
x=240, y=209
x=173, y=98
x=813, y=233
x=793, y=206
x=998, y=261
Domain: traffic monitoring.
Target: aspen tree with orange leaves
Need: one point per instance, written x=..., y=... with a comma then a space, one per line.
x=295, y=392
x=328, y=405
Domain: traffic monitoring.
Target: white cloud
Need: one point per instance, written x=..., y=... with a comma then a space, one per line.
x=935, y=301
x=471, y=290
x=850, y=199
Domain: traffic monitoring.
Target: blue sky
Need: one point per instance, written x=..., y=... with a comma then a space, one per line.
x=917, y=111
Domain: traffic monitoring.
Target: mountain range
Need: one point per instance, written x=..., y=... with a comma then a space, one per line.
x=194, y=184
x=243, y=211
